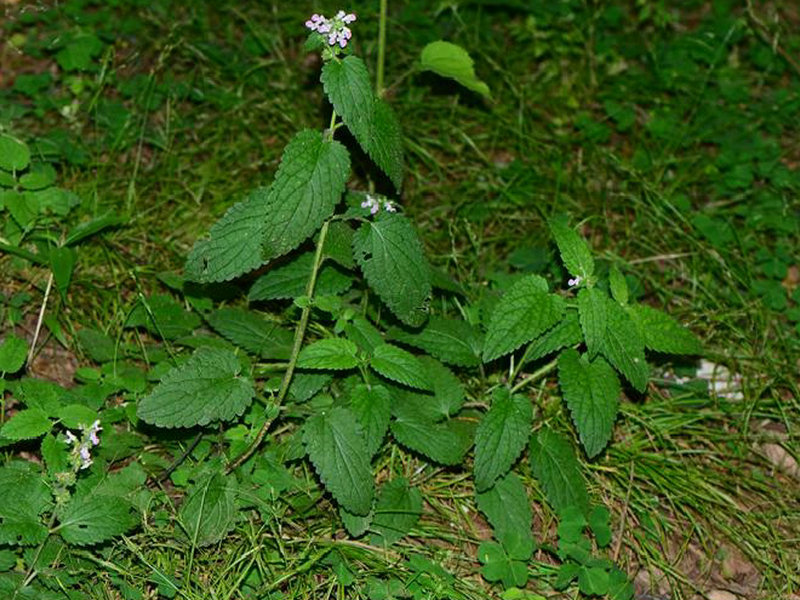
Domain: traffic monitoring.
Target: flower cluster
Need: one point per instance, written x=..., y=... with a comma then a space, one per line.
x=574, y=282
x=336, y=29
x=81, y=447
x=374, y=205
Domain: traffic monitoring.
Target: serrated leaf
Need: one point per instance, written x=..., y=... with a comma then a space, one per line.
x=501, y=437
x=623, y=347
x=371, y=406
x=398, y=365
x=14, y=154
x=591, y=391
x=26, y=424
x=95, y=518
x=566, y=332
x=363, y=333
x=397, y=510
x=453, y=61
x=356, y=525
x=369, y=119
x=96, y=344
x=13, y=351
x=330, y=353
x=308, y=186
x=252, y=332
x=574, y=250
x=290, y=280
x=24, y=497
x=522, y=314
x=234, y=243
x=452, y=341
x=339, y=244
x=592, y=313
x=662, y=333
x=162, y=315
x=390, y=255
x=305, y=385
x=335, y=444
x=207, y=387
x=209, y=510
x=54, y=454
x=554, y=464
x=508, y=509
x=448, y=392
x=618, y=285
x=444, y=443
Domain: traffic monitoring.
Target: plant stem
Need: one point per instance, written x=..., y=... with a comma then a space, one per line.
x=299, y=334
x=381, y=48
x=535, y=375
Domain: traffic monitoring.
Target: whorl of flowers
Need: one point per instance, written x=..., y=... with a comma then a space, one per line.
x=375, y=204
x=81, y=447
x=335, y=30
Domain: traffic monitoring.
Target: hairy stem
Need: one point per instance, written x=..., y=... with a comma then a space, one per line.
x=299, y=334
x=536, y=375
x=381, y=48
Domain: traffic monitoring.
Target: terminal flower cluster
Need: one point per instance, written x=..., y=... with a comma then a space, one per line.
x=336, y=29
x=81, y=447
x=374, y=205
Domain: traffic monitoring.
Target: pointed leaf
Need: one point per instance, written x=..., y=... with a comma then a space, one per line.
x=445, y=443
x=523, y=313
x=26, y=424
x=233, y=245
x=453, y=341
x=14, y=154
x=335, y=444
x=371, y=406
x=566, y=333
x=618, y=285
x=330, y=353
x=451, y=60
x=290, y=280
x=592, y=311
x=308, y=186
x=591, y=390
x=209, y=510
x=24, y=497
x=501, y=436
x=662, y=333
x=623, y=347
x=397, y=510
x=574, y=250
x=390, y=254
x=13, y=351
x=554, y=464
x=207, y=387
x=398, y=365
x=95, y=518
x=252, y=332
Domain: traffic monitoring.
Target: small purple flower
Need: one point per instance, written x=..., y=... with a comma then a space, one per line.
x=574, y=282
x=336, y=28
x=93, y=431
x=86, y=459
x=315, y=21
x=388, y=206
x=71, y=439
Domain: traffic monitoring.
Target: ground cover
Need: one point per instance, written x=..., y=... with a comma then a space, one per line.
x=631, y=153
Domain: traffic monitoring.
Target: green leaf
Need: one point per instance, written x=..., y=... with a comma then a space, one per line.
x=366, y=336
x=26, y=424
x=592, y=312
x=55, y=455
x=566, y=333
x=62, y=263
x=397, y=510
x=234, y=243
x=24, y=208
x=499, y=566
x=96, y=344
x=248, y=330
x=95, y=518
x=398, y=365
x=554, y=464
x=24, y=497
x=90, y=228
x=209, y=511
x=308, y=186
x=161, y=315
x=330, y=353
x=75, y=416
x=335, y=444
x=451, y=60
x=618, y=285
x=371, y=406
x=501, y=437
x=448, y=392
x=523, y=313
x=444, y=443
x=598, y=521
x=508, y=509
x=623, y=347
x=356, y=525
x=40, y=176
x=593, y=581
x=619, y=588
x=662, y=333
x=14, y=154
x=290, y=280
x=452, y=341
x=390, y=255
x=13, y=351
x=78, y=53
x=370, y=120
x=339, y=244
x=574, y=250
x=207, y=387
x=591, y=390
